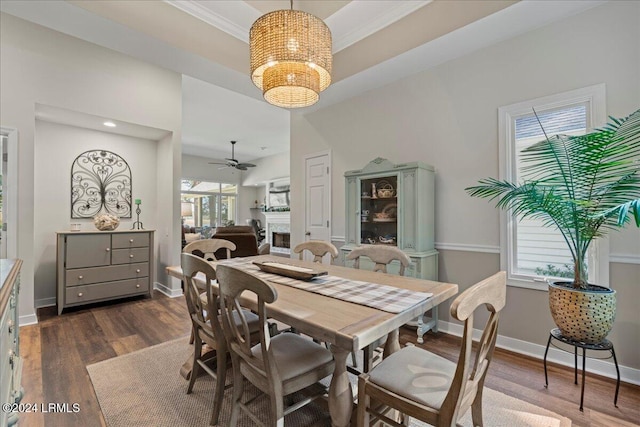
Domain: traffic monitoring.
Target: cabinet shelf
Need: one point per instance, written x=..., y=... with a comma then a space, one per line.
x=384, y=199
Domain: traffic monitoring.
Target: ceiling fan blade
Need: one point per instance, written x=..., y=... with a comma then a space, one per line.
x=245, y=165
x=240, y=168
x=217, y=163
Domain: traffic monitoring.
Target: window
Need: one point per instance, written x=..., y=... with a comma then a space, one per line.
x=530, y=252
x=206, y=205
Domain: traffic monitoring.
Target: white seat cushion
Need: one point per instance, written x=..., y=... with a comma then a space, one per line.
x=415, y=374
x=295, y=355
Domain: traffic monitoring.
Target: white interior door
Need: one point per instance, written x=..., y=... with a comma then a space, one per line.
x=318, y=198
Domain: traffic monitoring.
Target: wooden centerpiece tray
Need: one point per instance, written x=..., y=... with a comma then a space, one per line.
x=289, y=270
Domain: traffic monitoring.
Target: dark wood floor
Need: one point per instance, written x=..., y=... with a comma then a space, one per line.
x=58, y=348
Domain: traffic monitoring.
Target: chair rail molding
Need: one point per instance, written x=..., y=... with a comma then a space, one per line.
x=467, y=247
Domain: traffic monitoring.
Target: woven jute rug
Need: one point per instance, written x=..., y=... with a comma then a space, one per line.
x=144, y=388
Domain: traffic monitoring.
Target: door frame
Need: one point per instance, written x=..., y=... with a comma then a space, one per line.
x=10, y=190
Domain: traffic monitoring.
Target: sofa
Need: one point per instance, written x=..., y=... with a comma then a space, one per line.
x=245, y=239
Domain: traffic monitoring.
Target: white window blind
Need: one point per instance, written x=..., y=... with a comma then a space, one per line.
x=530, y=251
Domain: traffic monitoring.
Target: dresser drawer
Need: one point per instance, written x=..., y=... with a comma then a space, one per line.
x=86, y=276
x=88, y=250
x=88, y=293
x=6, y=343
x=130, y=240
x=126, y=256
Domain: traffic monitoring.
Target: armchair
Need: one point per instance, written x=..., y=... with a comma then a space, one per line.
x=245, y=240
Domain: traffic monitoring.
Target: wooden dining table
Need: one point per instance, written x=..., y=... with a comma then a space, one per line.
x=346, y=326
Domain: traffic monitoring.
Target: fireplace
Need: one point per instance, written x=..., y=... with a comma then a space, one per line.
x=281, y=240
x=277, y=230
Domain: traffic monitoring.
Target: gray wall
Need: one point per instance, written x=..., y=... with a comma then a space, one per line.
x=448, y=117
x=41, y=66
x=57, y=146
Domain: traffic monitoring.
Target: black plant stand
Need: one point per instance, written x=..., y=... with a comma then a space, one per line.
x=603, y=345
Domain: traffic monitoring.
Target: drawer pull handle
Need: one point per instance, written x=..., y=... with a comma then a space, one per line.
x=79, y=294
x=130, y=240
x=108, y=249
x=138, y=271
x=137, y=285
x=80, y=277
x=131, y=256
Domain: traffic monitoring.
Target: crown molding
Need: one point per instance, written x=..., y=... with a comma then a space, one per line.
x=230, y=17
x=352, y=23
x=369, y=18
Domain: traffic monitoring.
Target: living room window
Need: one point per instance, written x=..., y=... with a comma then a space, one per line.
x=207, y=205
x=530, y=252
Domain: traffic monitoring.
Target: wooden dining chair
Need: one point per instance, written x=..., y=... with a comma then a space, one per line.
x=318, y=248
x=381, y=256
x=207, y=328
x=206, y=248
x=428, y=387
x=278, y=365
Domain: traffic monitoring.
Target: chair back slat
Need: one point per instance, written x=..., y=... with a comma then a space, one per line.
x=319, y=248
x=232, y=283
x=381, y=256
x=198, y=309
x=207, y=248
x=469, y=378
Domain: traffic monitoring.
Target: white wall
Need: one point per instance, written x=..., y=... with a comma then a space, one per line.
x=56, y=147
x=268, y=168
x=448, y=117
x=38, y=65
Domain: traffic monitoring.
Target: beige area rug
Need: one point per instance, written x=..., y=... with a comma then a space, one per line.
x=145, y=388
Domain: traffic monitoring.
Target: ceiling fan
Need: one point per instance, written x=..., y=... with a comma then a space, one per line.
x=232, y=162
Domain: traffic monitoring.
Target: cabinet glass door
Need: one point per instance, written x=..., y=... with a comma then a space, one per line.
x=379, y=210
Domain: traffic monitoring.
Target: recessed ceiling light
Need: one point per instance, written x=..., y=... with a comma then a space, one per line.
x=109, y=124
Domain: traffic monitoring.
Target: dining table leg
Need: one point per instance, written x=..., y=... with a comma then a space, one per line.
x=340, y=392
x=393, y=343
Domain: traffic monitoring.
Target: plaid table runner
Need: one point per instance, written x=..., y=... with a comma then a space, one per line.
x=381, y=297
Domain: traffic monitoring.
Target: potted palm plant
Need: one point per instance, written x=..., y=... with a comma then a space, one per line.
x=582, y=186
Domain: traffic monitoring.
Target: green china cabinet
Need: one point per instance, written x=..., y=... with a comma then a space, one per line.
x=393, y=204
x=390, y=204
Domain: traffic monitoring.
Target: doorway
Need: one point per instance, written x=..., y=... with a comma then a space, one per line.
x=8, y=193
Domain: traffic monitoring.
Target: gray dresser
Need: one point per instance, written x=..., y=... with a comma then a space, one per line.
x=97, y=266
x=10, y=361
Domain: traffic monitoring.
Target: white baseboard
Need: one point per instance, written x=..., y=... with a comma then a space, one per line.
x=606, y=368
x=46, y=302
x=29, y=319
x=171, y=293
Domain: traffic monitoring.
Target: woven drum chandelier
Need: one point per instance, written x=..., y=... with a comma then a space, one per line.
x=290, y=57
